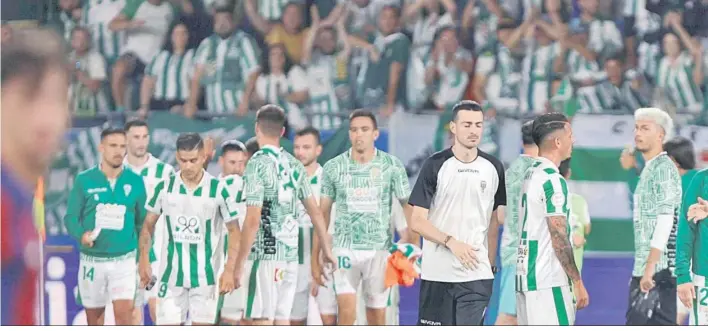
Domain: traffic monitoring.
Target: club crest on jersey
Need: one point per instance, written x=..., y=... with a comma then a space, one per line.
x=483, y=185
x=127, y=188
x=279, y=275
x=95, y=197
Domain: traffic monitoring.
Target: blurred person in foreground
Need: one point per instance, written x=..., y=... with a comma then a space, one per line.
x=657, y=199
x=579, y=218
x=680, y=150
x=35, y=114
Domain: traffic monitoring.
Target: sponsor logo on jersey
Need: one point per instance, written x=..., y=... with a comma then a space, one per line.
x=127, y=188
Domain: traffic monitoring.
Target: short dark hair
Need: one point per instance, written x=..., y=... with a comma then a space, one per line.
x=681, y=150
x=465, y=105
x=111, y=131
x=309, y=131
x=252, y=146
x=232, y=146
x=189, y=141
x=526, y=133
x=271, y=120
x=546, y=124
x=136, y=122
x=564, y=167
x=364, y=113
x=29, y=55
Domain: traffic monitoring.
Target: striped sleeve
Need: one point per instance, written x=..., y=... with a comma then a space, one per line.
x=251, y=53
x=202, y=55
x=227, y=204
x=154, y=203
x=150, y=69
x=555, y=194
x=304, y=189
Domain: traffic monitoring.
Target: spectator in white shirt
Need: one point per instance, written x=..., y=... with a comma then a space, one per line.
x=86, y=90
x=146, y=23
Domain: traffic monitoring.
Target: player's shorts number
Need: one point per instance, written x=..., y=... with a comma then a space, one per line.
x=88, y=273
x=344, y=262
x=703, y=295
x=162, y=290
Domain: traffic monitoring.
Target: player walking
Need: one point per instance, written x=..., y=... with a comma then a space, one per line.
x=546, y=267
x=692, y=245
x=233, y=161
x=152, y=170
x=363, y=182
x=510, y=237
x=307, y=149
x=455, y=208
x=657, y=200
x=195, y=206
x=105, y=213
x=274, y=182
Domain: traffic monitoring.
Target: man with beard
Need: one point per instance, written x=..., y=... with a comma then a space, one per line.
x=307, y=148
x=197, y=207
x=226, y=65
x=152, y=170
x=657, y=200
x=105, y=212
x=456, y=201
x=545, y=268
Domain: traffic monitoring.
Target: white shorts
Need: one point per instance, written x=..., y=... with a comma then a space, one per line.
x=235, y=301
x=548, y=306
x=143, y=296
x=484, y=65
x=174, y=303
x=326, y=298
x=270, y=288
x=107, y=279
x=365, y=267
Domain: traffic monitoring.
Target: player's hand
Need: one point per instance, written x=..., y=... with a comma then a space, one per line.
x=578, y=240
x=314, y=289
x=145, y=271
x=87, y=239
x=316, y=272
x=686, y=293
x=627, y=159
x=698, y=211
x=647, y=282
x=582, y=299
x=329, y=263
x=238, y=273
x=466, y=254
x=134, y=24
x=227, y=282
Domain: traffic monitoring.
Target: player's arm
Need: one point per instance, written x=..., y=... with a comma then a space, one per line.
x=666, y=189
x=313, y=210
x=254, y=189
x=420, y=201
x=140, y=211
x=74, y=210
x=153, y=208
x=687, y=231
x=497, y=214
x=124, y=20
x=402, y=192
x=556, y=210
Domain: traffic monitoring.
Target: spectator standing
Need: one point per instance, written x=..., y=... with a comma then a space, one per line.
x=642, y=36
x=482, y=17
x=86, y=91
x=283, y=83
x=146, y=23
x=604, y=38
x=537, y=69
x=627, y=88
x=363, y=16
x=97, y=15
x=288, y=30
x=167, y=79
x=327, y=65
x=381, y=80
x=67, y=19
x=448, y=69
x=226, y=66
x=680, y=70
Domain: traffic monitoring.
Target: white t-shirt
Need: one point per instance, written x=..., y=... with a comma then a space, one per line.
x=146, y=41
x=460, y=198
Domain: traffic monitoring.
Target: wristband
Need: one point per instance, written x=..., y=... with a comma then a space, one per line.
x=447, y=239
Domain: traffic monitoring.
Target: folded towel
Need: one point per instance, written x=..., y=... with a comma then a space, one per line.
x=403, y=265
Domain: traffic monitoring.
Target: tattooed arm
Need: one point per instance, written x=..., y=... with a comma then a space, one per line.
x=557, y=226
x=144, y=246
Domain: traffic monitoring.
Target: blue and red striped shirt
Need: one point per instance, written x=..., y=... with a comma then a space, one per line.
x=19, y=253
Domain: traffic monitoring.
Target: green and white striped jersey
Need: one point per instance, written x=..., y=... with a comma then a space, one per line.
x=172, y=73
x=514, y=180
x=153, y=172
x=658, y=193
x=544, y=193
x=227, y=64
x=194, y=219
x=84, y=101
x=364, y=195
x=97, y=14
x=537, y=75
x=645, y=22
x=329, y=89
x=272, y=10
x=265, y=187
x=274, y=88
x=234, y=184
x=452, y=82
x=485, y=30
x=676, y=77
x=604, y=38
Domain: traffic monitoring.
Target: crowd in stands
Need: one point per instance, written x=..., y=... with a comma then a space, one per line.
x=319, y=58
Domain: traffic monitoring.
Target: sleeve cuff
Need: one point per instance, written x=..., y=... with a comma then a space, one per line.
x=683, y=279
